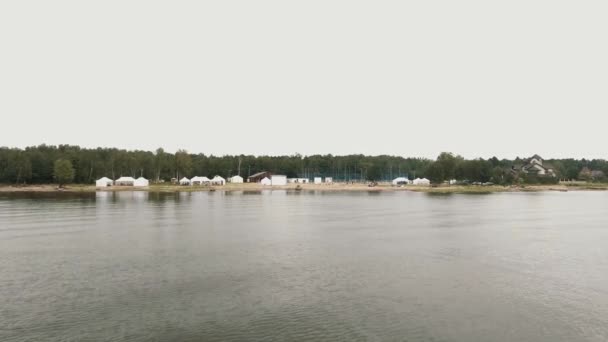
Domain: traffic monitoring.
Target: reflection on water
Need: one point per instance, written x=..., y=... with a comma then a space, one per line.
x=308, y=265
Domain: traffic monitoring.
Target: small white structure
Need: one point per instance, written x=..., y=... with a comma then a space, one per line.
x=141, y=181
x=236, y=179
x=278, y=180
x=217, y=180
x=329, y=180
x=125, y=181
x=103, y=182
x=452, y=181
x=421, y=181
x=401, y=181
x=200, y=181
x=266, y=181
x=184, y=181
x=318, y=180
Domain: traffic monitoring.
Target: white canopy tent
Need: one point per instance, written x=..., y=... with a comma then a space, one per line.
x=236, y=179
x=266, y=181
x=141, y=181
x=218, y=180
x=401, y=181
x=103, y=182
x=200, y=181
x=421, y=181
x=125, y=181
x=184, y=181
x=318, y=180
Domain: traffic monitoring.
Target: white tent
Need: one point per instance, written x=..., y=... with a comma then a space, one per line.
x=141, y=181
x=421, y=181
x=401, y=180
x=184, y=181
x=217, y=180
x=318, y=180
x=278, y=180
x=329, y=180
x=103, y=182
x=125, y=181
x=236, y=179
x=200, y=180
x=266, y=181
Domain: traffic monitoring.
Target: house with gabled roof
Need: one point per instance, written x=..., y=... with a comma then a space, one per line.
x=535, y=166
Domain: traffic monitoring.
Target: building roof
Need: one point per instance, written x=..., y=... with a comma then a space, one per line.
x=536, y=156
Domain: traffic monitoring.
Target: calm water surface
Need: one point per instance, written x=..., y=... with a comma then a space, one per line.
x=288, y=266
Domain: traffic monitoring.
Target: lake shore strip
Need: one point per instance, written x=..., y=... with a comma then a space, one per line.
x=310, y=187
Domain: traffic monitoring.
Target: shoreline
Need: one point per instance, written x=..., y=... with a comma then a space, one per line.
x=79, y=188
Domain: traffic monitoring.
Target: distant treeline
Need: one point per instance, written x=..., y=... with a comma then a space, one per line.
x=37, y=164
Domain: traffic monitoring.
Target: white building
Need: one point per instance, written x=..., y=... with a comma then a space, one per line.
x=236, y=179
x=421, y=181
x=103, y=182
x=329, y=180
x=278, y=180
x=401, y=181
x=184, y=181
x=125, y=181
x=141, y=181
x=266, y=181
x=218, y=180
x=318, y=180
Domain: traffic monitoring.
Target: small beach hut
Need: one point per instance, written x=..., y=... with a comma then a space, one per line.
x=218, y=180
x=103, y=182
x=141, y=181
x=236, y=179
x=318, y=180
x=278, y=180
x=266, y=181
x=184, y=181
x=125, y=181
x=400, y=181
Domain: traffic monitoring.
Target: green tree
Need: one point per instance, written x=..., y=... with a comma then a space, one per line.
x=63, y=171
x=183, y=163
x=373, y=173
x=435, y=173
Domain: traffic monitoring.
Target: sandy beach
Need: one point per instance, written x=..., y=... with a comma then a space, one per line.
x=307, y=187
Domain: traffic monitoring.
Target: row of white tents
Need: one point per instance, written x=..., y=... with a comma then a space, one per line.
x=217, y=180
x=417, y=181
x=122, y=181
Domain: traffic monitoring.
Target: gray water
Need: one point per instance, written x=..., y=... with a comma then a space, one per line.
x=290, y=266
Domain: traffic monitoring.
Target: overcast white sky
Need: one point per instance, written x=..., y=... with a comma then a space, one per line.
x=411, y=78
